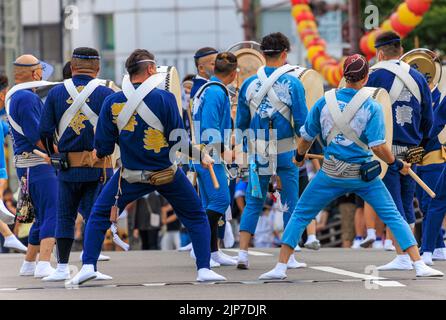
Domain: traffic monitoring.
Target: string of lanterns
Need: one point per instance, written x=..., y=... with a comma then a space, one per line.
x=407, y=17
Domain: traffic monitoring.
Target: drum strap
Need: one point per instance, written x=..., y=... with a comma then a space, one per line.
x=19, y=87
x=342, y=119
x=402, y=79
x=266, y=89
x=135, y=102
x=197, y=102
x=79, y=104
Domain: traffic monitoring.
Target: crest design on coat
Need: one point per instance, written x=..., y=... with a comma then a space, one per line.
x=154, y=140
x=404, y=115
x=116, y=110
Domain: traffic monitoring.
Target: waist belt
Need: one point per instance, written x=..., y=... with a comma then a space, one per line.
x=262, y=147
x=28, y=160
x=434, y=157
x=156, y=178
x=87, y=160
x=400, y=151
x=339, y=169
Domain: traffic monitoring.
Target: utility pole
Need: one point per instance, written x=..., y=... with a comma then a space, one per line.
x=13, y=34
x=354, y=8
x=250, y=14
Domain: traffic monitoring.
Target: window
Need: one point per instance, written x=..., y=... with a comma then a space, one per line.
x=106, y=40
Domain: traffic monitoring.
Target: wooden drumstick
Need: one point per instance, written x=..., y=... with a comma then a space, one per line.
x=422, y=184
x=44, y=156
x=214, y=177
x=315, y=156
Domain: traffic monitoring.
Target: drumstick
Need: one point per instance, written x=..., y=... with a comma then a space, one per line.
x=315, y=156
x=44, y=156
x=422, y=184
x=214, y=177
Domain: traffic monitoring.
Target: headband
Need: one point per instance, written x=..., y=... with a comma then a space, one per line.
x=381, y=44
x=27, y=65
x=83, y=57
x=205, y=54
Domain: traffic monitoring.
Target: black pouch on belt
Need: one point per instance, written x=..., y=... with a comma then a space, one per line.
x=370, y=171
x=60, y=161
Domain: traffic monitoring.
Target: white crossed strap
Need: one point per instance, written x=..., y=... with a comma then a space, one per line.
x=266, y=89
x=402, y=79
x=197, y=102
x=342, y=119
x=135, y=102
x=79, y=104
x=19, y=87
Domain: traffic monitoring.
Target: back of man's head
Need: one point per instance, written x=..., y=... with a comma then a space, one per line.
x=388, y=44
x=274, y=44
x=225, y=64
x=138, y=61
x=85, y=61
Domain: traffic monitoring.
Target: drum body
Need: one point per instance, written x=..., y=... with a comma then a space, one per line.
x=313, y=84
x=426, y=62
x=172, y=83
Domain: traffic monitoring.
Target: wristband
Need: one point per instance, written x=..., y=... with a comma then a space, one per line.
x=397, y=166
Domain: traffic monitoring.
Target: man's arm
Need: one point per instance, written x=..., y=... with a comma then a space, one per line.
x=107, y=132
x=427, y=113
x=299, y=106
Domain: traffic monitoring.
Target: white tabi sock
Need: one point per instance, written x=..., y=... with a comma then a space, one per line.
x=243, y=255
x=311, y=238
x=371, y=233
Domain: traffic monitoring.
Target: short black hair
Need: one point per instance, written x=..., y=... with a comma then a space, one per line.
x=225, y=63
x=66, y=72
x=389, y=42
x=274, y=44
x=189, y=77
x=86, y=52
x=85, y=59
x=203, y=52
x=132, y=64
x=4, y=82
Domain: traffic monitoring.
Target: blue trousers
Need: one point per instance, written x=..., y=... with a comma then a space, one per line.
x=74, y=198
x=402, y=188
x=254, y=206
x=323, y=189
x=434, y=209
x=180, y=194
x=43, y=188
x=213, y=199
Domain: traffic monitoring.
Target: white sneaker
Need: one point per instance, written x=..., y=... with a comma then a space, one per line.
x=315, y=245
x=356, y=244
x=298, y=249
x=378, y=245
x=192, y=254
x=43, y=270
x=223, y=260
x=388, y=246
x=5, y=215
x=439, y=255
x=400, y=263
x=423, y=271
x=293, y=264
x=86, y=274
x=102, y=258
x=427, y=259
x=207, y=275
x=102, y=277
x=187, y=248
x=12, y=242
x=367, y=242
x=61, y=274
x=278, y=273
x=28, y=269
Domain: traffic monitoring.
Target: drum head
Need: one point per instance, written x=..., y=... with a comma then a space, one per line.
x=249, y=62
x=172, y=83
x=383, y=98
x=314, y=86
x=427, y=63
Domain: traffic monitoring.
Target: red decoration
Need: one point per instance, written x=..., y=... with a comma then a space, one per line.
x=419, y=7
x=295, y=2
x=305, y=16
x=400, y=28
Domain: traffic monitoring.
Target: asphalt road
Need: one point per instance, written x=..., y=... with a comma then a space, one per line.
x=331, y=274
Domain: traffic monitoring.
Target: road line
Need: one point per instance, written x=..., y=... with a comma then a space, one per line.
x=251, y=253
x=386, y=284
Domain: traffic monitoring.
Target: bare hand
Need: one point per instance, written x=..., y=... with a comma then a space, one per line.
x=406, y=169
x=207, y=161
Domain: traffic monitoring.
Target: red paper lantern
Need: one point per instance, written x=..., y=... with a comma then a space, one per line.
x=295, y=2
x=318, y=42
x=304, y=16
x=419, y=7
x=400, y=28
x=364, y=46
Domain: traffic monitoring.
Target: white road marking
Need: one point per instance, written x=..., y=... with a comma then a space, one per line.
x=386, y=284
x=251, y=253
x=9, y=289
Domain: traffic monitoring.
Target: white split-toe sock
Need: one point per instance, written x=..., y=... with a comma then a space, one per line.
x=187, y=248
x=207, y=275
x=102, y=277
x=388, y=245
x=400, y=263
x=223, y=260
x=243, y=260
x=43, y=270
x=12, y=242
x=427, y=258
x=86, y=274
x=423, y=271
x=62, y=273
x=293, y=264
x=28, y=269
x=102, y=258
x=439, y=255
x=278, y=273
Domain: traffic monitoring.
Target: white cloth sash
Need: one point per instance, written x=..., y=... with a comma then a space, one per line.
x=135, y=102
x=79, y=103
